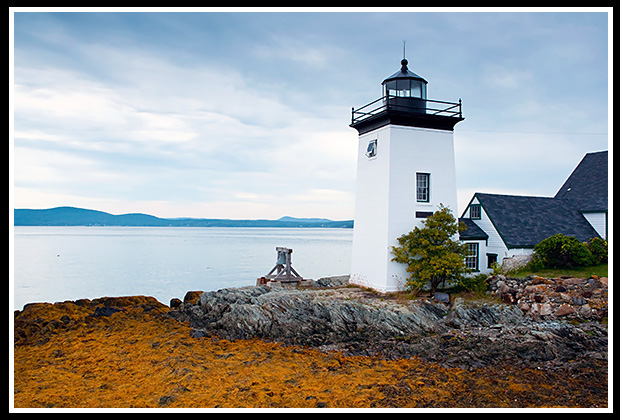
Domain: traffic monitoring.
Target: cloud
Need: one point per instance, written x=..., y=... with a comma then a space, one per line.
x=153, y=134
x=287, y=48
x=200, y=114
x=507, y=78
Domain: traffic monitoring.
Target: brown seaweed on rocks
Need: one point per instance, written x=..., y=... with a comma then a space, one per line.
x=133, y=352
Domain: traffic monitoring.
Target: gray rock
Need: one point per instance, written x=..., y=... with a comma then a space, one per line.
x=578, y=301
x=465, y=314
x=442, y=297
x=106, y=311
x=468, y=333
x=335, y=281
x=306, y=317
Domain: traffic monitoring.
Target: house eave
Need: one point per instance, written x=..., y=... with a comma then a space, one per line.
x=528, y=246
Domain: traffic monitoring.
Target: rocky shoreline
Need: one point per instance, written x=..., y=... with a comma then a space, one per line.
x=538, y=323
x=270, y=347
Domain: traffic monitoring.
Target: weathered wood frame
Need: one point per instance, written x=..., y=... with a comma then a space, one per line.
x=283, y=268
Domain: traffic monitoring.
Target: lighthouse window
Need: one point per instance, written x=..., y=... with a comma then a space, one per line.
x=390, y=88
x=403, y=88
x=422, y=187
x=371, y=151
x=416, y=89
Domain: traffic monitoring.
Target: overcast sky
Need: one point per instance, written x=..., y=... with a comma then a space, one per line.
x=246, y=115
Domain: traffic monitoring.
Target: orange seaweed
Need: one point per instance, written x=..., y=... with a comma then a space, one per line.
x=137, y=357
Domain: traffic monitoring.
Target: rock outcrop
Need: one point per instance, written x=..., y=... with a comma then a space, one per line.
x=465, y=333
x=37, y=322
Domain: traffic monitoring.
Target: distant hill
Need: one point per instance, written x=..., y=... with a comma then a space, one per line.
x=73, y=216
x=310, y=220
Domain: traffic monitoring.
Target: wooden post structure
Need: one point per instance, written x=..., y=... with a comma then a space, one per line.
x=284, y=270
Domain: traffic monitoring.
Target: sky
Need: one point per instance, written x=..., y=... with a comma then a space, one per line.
x=245, y=115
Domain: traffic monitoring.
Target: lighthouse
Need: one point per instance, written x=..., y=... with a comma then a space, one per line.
x=405, y=170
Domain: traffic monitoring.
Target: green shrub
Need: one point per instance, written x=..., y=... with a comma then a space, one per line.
x=598, y=248
x=497, y=269
x=536, y=264
x=560, y=251
x=476, y=284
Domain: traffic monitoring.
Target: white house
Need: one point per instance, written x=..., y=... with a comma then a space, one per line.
x=502, y=226
x=405, y=170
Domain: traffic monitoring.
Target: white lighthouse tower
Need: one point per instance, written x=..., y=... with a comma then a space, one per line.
x=405, y=169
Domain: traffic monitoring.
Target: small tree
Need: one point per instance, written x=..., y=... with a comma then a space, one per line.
x=431, y=253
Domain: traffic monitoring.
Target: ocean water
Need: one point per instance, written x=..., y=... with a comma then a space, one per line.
x=54, y=264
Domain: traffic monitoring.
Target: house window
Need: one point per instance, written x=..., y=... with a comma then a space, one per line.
x=474, y=211
x=491, y=259
x=371, y=150
x=422, y=187
x=471, y=261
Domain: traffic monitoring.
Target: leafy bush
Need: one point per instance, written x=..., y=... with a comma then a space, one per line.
x=497, y=269
x=476, y=284
x=536, y=263
x=432, y=252
x=598, y=248
x=561, y=251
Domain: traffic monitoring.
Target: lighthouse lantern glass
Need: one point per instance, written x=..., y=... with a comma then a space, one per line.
x=405, y=88
x=416, y=89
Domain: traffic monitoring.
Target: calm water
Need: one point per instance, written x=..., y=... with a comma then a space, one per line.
x=54, y=264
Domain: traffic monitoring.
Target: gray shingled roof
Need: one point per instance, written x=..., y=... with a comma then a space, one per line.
x=587, y=186
x=472, y=231
x=524, y=221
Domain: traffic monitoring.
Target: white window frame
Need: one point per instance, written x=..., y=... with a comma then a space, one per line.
x=477, y=215
x=371, y=149
x=423, y=187
x=473, y=257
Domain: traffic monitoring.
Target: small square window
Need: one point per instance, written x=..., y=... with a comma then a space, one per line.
x=371, y=150
x=491, y=259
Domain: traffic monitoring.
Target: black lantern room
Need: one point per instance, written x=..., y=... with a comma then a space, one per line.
x=405, y=89
x=404, y=102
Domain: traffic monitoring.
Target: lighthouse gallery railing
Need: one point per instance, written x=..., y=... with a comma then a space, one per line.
x=446, y=109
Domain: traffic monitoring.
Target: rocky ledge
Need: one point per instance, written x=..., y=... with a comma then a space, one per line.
x=467, y=333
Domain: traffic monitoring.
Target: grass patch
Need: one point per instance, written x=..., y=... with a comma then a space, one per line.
x=600, y=270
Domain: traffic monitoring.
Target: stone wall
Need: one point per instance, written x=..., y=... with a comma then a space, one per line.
x=562, y=297
x=515, y=262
